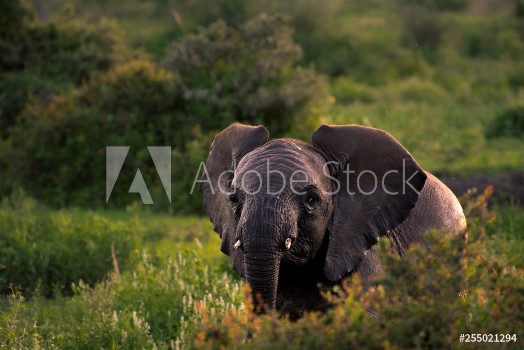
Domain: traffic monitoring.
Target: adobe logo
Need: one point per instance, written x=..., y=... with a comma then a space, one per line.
x=115, y=158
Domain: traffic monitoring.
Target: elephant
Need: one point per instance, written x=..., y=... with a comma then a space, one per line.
x=295, y=216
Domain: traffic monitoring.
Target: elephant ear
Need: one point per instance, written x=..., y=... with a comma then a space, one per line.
x=228, y=147
x=361, y=159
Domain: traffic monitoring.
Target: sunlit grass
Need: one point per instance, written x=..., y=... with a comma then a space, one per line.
x=174, y=276
x=445, y=137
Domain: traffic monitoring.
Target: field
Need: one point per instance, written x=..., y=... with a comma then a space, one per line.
x=165, y=280
x=445, y=78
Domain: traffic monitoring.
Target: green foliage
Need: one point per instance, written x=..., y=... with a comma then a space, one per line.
x=387, y=73
x=433, y=73
x=217, y=77
x=249, y=74
x=485, y=37
x=424, y=299
x=418, y=90
x=441, y=5
x=446, y=136
x=510, y=123
x=346, y=90
x=180, y=292
x=423, y=29
x=519, y=8
x=44, y=252
x=42, y=59
x=64, y=141
x=154, y=305
x=184, y=282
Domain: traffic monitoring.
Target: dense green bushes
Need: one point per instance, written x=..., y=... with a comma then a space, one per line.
x=56, y=152
x=40, y=60
x=181, y=293
x=384, y=59
x=425, y=299
x=510, y=123
x=155, y=304
x=44, y=252
x=249, y=74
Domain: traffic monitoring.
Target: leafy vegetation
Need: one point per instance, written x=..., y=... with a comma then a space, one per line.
x=444, y=69
x=210, y=79
x=248, y=74
x=40, y=249
x=508, y=124
x=40, y=60
x=180, y=292
x=64, y=141
x=444, y=77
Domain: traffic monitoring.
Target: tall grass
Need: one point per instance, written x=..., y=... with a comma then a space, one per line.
x=178, y=291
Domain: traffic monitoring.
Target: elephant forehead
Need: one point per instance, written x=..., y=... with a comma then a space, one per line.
x=277, y=164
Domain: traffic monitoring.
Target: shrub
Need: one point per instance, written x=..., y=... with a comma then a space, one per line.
x=425, y=299
x=45, y=252
x=516, y=79
x=57, y=151
x=153, y=306
x=221, y=75
x=423, y=30
x=42, y=59
x=188, y=299
x=519, y=8
x=418, y=90
x=249, y=74
x=510, y=123
x=346, y=90
x=491, y=38
x=441, y=5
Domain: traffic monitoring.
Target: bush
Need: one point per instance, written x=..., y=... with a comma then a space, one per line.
x=154, y=306
x=57, y=151
x=249, y=74
x=491, y=38
x=425, y=299
x=45, y=252
x=516, y=79
x=423, y=30
x=441, y=5
x=510, y=123
x=40, y=60
x=418, y=90
x=346, y=90
x=221, y=75
x=187, y=298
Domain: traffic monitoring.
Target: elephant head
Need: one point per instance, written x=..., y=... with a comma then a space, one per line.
x=291, y=202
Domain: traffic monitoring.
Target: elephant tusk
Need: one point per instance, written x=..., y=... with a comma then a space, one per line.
x=237, y=245
x=288, y=243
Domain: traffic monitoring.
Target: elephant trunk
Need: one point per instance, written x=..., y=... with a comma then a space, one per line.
x=263, y=234
x=262, y=275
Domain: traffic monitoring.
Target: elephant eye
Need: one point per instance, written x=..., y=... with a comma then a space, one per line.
x=312, y=197
x=234, y=198
x=236, y=202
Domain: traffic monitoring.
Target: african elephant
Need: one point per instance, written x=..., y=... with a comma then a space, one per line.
x=293, y=215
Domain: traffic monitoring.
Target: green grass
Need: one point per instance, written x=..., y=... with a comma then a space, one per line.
x=172, y=263
x=58, y=284
x=445, y=137
x=508, y=234
x=175, y=278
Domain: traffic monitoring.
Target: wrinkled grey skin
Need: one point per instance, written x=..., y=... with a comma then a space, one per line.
x=331, y=235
